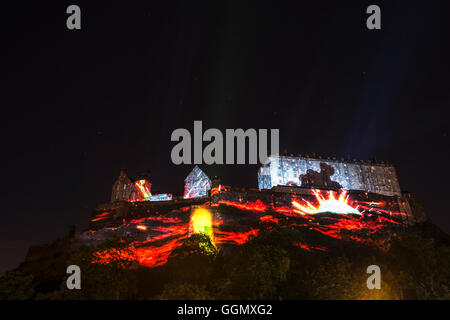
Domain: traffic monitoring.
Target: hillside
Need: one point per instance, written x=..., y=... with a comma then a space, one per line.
x=230, y=252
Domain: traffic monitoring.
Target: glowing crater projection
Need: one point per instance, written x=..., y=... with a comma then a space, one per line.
x=328, y=203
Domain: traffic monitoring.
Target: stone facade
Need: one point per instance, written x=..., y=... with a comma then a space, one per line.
x=127, y=189
x=197, y=184
x=329, y=173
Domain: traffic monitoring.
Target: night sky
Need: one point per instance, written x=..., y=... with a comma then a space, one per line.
x=79, y=105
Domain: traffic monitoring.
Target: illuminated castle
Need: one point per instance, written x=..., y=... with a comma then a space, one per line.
x=301, y=185
x=137, y=189
x=373, y=177
x=339, y=200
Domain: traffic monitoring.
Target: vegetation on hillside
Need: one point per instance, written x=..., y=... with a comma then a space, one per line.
x=269, y=266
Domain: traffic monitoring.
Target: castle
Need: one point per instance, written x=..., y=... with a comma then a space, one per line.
x=136, y=189
x=329, y=173
x=282, y=181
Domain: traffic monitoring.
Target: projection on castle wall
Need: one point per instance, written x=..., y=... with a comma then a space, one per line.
x=197, y=184
x=135, y=190
x=318, y=173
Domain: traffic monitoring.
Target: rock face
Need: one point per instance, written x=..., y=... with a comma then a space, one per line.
x=113, y=214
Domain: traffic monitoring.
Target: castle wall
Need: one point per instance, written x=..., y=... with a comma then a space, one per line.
x=197, y=184
x=121, y=189
x=126, y=189
x=296, y=171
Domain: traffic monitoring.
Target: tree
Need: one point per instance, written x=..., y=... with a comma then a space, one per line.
x=421, y=266
x=113, y=281
x=343, y=279
x=15, y=285
x=257, y=272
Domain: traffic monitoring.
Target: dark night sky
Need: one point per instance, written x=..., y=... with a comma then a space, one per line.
x=79, y=105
